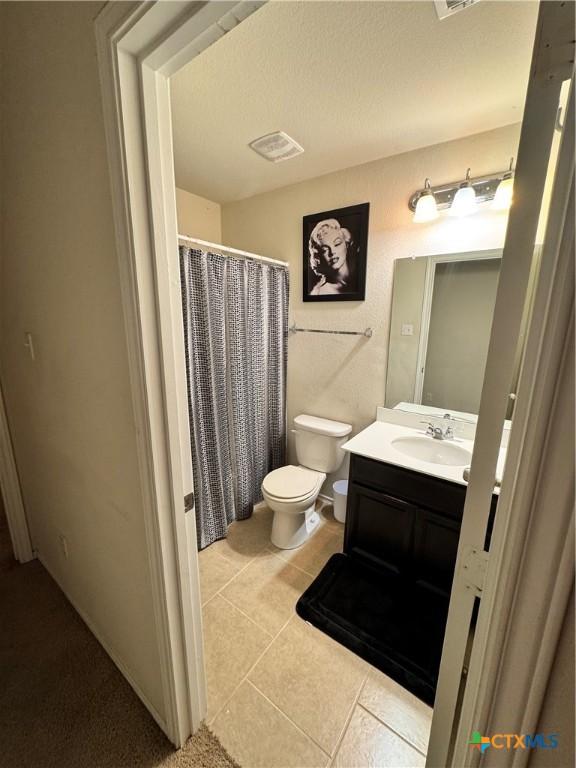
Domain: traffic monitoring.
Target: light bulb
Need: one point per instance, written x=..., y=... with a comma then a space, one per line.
x=426, y=209
x=464, y=202
x=503, y=197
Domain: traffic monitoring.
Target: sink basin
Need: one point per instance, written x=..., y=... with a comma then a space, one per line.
x=433, y=451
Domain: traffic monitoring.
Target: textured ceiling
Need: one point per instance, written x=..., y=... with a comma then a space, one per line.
x=351, y=82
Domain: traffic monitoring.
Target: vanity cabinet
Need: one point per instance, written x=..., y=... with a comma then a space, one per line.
x=386, y=596
x=381, y=527
x=404, y=522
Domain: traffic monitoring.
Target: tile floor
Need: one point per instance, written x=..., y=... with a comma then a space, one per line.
x=281, y=694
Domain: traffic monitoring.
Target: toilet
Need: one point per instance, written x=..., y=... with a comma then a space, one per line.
x=291, y=491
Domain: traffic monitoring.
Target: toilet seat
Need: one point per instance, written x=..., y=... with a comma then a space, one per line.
x=291, y=483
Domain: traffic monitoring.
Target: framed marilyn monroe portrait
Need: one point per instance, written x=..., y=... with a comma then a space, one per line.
x=334, y=254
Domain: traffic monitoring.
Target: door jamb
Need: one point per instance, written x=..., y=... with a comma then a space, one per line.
x=521, y=537
x=552, y=63
x=12, y=494
x=139, y=46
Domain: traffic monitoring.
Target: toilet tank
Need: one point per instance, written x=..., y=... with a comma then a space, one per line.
x=319, y=442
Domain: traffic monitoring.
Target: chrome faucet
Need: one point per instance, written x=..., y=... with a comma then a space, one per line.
x=440, y=433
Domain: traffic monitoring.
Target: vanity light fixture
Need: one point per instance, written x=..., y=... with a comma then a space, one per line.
x=426, y=208
x=503, y=197
x=483, y=189
x=464, y=202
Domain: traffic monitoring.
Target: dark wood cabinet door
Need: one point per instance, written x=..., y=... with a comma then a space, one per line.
x=435, y=547
x=380, y=527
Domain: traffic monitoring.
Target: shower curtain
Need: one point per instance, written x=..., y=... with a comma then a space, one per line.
x=235, y=329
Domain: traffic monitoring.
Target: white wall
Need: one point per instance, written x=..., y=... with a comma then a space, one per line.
x=70, y=409
x=344, y=377
x=198, y=216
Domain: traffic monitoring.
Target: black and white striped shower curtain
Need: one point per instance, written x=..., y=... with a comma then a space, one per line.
x=235, y=329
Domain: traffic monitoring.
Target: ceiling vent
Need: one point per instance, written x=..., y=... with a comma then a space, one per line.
x=445, y=8
x=276, y=147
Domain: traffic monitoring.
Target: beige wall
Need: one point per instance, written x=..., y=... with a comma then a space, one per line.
x=344, y=377
x=409, y=280
x=198, y=217
x=460, y=323
x=70, y=409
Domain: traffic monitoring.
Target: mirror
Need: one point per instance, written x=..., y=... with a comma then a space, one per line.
x=442, y=309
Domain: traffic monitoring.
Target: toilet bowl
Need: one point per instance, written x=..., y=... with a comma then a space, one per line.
x=291, y=491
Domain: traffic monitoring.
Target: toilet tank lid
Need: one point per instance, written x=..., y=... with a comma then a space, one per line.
x=322, y=426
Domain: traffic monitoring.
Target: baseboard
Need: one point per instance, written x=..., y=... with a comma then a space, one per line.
x=122, y=667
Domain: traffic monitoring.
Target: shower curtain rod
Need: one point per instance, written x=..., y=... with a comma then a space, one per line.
x=234, y=251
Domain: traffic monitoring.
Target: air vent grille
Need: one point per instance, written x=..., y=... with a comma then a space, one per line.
x=276, y=147
x=445, y=8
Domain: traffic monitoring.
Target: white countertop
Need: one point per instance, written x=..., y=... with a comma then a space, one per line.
x=375, y=442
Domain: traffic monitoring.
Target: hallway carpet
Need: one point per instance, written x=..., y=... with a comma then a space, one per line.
x=63, y=703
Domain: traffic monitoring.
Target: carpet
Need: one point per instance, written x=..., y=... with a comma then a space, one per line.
x=394, y=626
x=63, y=702
x=203, y=750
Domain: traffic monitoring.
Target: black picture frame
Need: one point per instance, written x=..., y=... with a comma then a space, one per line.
x=330, y=275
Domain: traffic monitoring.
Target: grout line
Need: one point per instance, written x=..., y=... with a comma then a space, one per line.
x=254, y=621
x=250, y=670
x=309, y=736
x=231, y=562
x=235, y=562
x=397, y=733
x=298, y=727
x=270, y=635
x=286, y=560
x=273, y=638
x=348, y=720
x=238, y=572
x=290, y=563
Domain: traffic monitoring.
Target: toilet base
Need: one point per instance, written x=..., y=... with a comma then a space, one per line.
x=290, y=530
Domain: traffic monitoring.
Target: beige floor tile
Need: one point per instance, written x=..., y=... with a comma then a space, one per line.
x=258, y=735
x=398, y=708
x=314, y=555
x=326, y=511
x=267, y=590
x=368, y=743
x=312, y=679
x=215, y=572
x=232, y=643
x=246, y=538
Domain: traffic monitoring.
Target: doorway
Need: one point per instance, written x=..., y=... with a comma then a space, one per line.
x=174, y=560
x=15, y=531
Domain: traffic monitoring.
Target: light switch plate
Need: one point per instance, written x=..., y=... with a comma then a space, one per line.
x=407, y=329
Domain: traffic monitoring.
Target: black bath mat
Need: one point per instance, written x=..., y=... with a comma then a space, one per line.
x=396, y=627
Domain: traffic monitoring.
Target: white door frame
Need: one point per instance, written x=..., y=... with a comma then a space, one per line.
x=431, y=264
x=139, y=47
x=12, y=494
x=531, y=570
